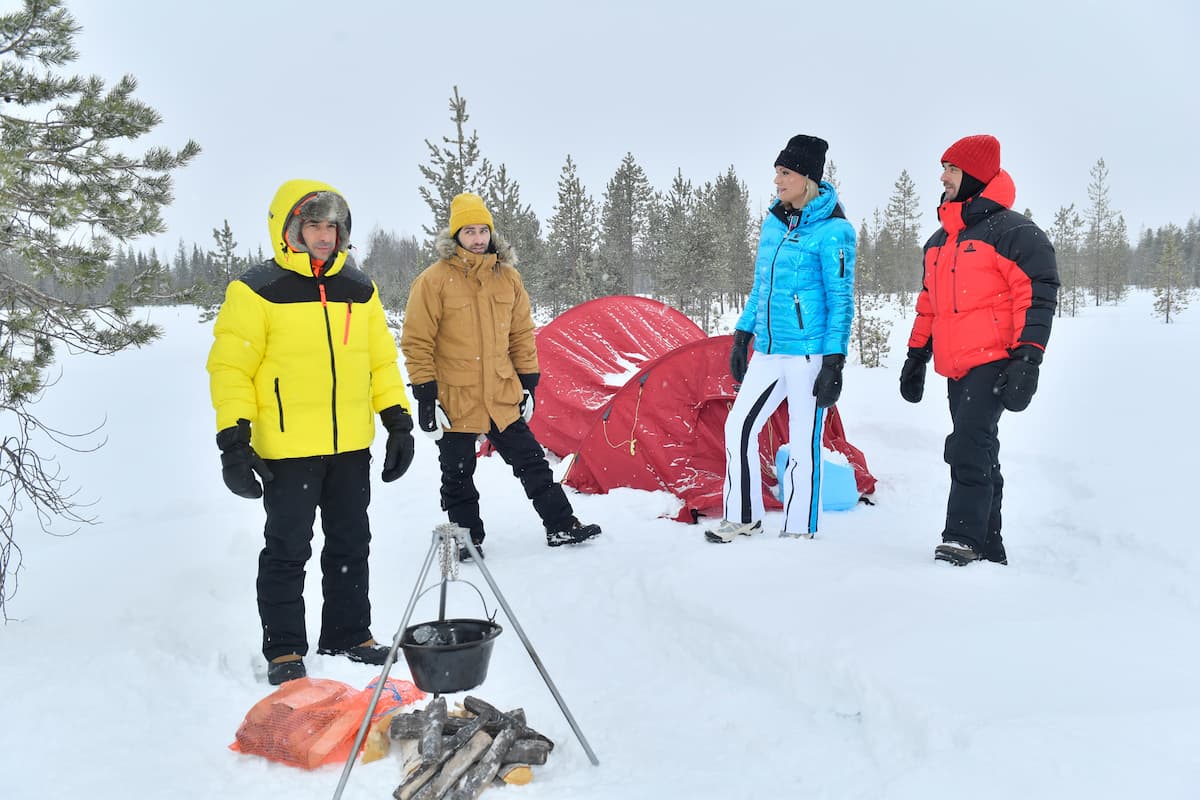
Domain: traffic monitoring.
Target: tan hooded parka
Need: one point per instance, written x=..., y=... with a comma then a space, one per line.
x=468, y=326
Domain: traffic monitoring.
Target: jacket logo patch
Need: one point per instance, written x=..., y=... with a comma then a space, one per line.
x=970, y=248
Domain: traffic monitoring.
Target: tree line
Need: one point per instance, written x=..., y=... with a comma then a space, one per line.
x=692, y=244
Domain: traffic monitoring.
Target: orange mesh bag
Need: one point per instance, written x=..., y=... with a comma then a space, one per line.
x=309, y=722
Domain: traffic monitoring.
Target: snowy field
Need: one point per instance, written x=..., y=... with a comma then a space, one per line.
x=849, y=666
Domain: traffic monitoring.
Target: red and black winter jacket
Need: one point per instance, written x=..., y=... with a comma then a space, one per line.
x=991, y=283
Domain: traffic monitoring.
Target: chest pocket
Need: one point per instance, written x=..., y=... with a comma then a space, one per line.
x=502, y=308
x=457, y=336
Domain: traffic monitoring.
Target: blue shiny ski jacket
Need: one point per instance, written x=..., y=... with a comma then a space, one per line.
x=802, y=300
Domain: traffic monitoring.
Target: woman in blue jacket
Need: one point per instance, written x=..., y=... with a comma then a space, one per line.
x=798, y=313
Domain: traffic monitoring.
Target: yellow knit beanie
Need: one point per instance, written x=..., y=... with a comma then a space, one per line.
x=468, y=209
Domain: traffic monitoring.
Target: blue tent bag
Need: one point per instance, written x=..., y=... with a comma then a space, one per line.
x=839, y=489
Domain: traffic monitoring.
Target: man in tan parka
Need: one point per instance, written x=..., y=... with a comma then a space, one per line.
x=469, y=348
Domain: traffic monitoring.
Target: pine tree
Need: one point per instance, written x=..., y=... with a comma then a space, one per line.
x=654, y=249
x=1172, y=288
x=624, y=221
x=517, y=222
x=1191, y=250
x=733, y=236
x=452, y=167
x=1066, y=234
x=393, y=262
x=1116, y=276
x=870, y=330
x=66, y=195
x=181, y=271
x=1144, y=259
x=831, y=176
x=571, y=244
x=1107, y=240
x=902, y=219
x=675, y=240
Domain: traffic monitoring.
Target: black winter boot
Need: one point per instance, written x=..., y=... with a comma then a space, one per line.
x=957, y=553
x=464, y=555
x=369, y=652
x=284, y=669
x=573, y=532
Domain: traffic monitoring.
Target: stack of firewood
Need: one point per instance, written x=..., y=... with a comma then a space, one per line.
x=458, y=753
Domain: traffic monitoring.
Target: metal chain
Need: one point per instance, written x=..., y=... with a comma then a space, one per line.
x=448, y=551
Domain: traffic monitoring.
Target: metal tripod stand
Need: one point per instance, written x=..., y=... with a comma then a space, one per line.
x=451, y=536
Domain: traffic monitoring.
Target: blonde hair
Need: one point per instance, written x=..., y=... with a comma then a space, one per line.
x=811, y=190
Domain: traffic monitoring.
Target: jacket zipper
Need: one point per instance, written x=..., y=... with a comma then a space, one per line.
x=799, y=313
x=842, y=262
x=954, y=275
x=346, y=333
x=332, y=364
x=279, y=404
x=792, y=220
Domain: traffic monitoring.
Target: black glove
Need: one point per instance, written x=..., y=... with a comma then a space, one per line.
x=827, y=388
x=239, y=462
x=430, y=416
x=529, y=382
x=739, y=356
x=912, y=374
x=1017, y=382
x=400, y=446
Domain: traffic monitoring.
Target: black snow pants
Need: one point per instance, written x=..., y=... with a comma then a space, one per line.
x=340, y=486
x=519, y=448
x=973, y=453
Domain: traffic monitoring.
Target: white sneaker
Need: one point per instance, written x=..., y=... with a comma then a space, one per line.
x=726, y=531
x=786, y=535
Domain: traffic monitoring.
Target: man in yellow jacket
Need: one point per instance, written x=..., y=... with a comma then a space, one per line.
x=469, y=349
x=301, y=361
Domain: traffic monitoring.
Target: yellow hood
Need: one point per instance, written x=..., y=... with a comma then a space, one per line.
x=286, y=200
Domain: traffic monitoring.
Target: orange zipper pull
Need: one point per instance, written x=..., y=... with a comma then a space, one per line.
x=346, y=335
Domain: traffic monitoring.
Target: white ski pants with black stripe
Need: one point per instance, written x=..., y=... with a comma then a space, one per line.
x=771, y=379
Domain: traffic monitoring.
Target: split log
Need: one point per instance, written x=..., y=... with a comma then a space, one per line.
x=527, y=751
x=457, y=765
x=411, y=725
x=422, y=772
x=431, y=735
x=480, y=776
x=407, y=726
x=378, y=741
x=514, y=774
x=514, y=718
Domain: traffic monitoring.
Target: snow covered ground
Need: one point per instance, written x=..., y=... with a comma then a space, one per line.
x=849, y=666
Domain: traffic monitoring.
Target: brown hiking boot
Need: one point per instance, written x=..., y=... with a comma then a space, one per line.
x=285, y=668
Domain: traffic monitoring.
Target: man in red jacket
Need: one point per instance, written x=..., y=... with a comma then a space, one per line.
x=984, y=314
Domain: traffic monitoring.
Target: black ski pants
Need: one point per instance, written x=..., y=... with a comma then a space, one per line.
x=340, y=486
x=519, y=448
x=973, y=453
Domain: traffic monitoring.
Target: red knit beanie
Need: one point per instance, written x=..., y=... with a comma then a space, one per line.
x=978, y=156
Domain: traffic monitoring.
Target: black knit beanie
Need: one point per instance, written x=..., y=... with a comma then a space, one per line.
x=805, y=155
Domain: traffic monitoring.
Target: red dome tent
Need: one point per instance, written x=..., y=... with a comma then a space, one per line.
x=664, y=430
x=588, y=352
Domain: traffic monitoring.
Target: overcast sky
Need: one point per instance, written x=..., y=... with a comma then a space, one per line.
x=347, y=92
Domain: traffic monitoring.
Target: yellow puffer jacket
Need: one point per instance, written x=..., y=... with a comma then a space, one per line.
x=307, y=360
x=468, y=326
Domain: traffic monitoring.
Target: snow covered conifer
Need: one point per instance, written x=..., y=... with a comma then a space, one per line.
x=69, y=189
